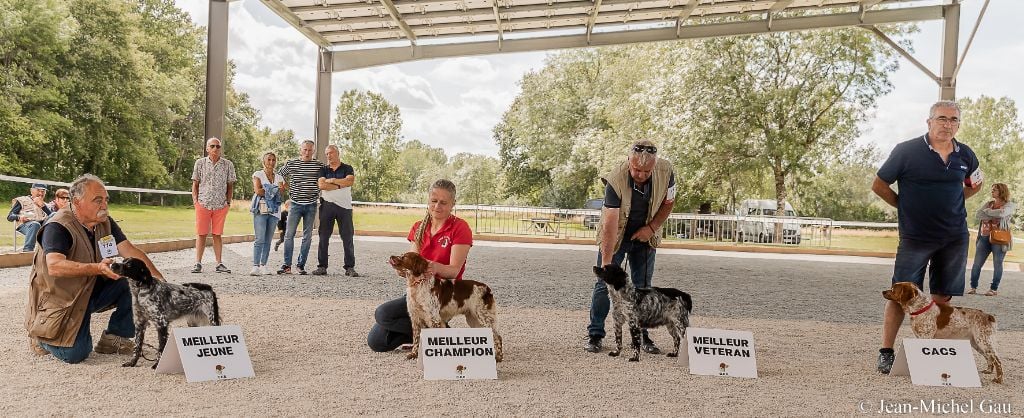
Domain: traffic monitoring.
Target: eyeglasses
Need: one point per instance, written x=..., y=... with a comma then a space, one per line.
x=63, y=197
x=947, y=121
x=214, y=146
x=650, y=149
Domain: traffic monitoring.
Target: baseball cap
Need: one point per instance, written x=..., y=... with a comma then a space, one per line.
x=38, y=186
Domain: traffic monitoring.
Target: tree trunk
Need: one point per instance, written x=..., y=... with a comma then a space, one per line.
x=780, y=202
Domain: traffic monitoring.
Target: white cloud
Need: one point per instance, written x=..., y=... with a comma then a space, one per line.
x=467, y=69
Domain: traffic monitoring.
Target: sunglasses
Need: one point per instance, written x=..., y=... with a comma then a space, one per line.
x=650, y=149
x=214, y=146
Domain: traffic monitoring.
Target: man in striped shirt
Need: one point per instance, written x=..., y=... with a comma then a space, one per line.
x=302, y=174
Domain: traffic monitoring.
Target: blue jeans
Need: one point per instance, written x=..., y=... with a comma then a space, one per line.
x=306, y=213
x=264, y=227
x=105, y=293
x=392, y=326
x=29, y=229
x=641, y=271
x=981, y=252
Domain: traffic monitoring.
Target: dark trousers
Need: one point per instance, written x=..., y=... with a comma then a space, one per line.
x=641, y=271
x=393, y=326
x=331, y=214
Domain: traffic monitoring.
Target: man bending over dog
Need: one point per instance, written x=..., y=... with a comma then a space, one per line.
x=932, y=171
x=638, y=198
x=71, y=279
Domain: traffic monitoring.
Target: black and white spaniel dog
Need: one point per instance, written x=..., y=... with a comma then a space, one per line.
x=644, y=308
x=159, y=302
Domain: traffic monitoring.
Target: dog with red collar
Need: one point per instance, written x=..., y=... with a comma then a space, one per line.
x=933, y=320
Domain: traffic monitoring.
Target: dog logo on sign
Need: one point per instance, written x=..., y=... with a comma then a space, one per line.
x=220, y=371
x=945, y=378
x=460, y=371
x=721, y=369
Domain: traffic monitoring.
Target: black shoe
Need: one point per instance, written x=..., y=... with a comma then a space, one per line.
x=302, y=271
x=320, y=271
x=593, y=345
x=649, y=347
x=285, y=270
x=885, y=360
x=351, y=272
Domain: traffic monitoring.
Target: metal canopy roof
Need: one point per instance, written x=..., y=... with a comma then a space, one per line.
x=377, y=24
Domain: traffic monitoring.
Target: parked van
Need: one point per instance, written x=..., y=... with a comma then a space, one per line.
x=591, y=221
x=750, y=228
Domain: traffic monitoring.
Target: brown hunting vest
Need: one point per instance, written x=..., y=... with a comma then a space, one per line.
x=619, y=180
x=57, y=305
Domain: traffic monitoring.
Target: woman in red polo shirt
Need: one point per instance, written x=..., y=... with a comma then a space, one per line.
x=442, y=238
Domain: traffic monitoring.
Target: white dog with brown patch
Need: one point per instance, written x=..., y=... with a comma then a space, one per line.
x=931, y=320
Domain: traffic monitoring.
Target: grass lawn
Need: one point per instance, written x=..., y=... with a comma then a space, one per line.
x=149, y=223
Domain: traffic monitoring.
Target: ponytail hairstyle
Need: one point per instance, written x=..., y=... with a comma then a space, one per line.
x=443, y=184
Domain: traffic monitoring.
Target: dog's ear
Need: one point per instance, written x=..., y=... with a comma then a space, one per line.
x=416, y=264
x=598, y=271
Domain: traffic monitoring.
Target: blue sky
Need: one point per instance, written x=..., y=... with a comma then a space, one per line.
x=454, y=103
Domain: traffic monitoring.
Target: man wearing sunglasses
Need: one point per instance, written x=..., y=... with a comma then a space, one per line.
x=213, y=182
x=638, y=198
x=934, y=175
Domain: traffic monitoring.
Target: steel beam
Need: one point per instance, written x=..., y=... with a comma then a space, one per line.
x=216, y=70
x=950, y=38
x=293, y=20
x=322, y=127
x=397, y=17
x=354, y=59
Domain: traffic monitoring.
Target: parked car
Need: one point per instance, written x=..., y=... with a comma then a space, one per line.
x=752, y=229
x=591, y=221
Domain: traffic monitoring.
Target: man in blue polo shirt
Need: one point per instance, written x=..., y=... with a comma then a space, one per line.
x=933, y=172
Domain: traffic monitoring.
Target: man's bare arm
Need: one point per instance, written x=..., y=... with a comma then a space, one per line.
x=882, y=189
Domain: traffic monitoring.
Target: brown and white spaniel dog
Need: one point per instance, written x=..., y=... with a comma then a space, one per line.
x=432, y=302
x=931, y=320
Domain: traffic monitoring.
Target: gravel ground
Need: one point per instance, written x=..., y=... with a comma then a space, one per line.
x=815, y=321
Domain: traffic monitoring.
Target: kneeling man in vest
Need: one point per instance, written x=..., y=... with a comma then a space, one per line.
x=71, y=279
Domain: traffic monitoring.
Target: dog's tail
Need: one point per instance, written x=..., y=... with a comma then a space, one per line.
x=203, y=287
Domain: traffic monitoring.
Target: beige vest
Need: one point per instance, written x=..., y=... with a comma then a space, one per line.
x=619, y=180
x=28, y=205
x=57, y=305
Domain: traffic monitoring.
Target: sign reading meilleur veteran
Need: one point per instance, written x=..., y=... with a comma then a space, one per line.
x=457, y=353
x=207, y=353
x=719, y=352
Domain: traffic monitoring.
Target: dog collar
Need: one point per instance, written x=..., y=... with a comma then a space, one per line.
x=925, y=308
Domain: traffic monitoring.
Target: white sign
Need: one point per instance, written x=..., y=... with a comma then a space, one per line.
x=457, y=353
x=976, y=177
x=207, y=353
x=719, y=352
x=934, y=362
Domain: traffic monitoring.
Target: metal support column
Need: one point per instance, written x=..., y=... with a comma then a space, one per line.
x=325, y=68
x=950, y=39
x=216, y=69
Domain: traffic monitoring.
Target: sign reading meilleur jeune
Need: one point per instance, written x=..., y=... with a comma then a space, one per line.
x=457, y=353
x=207, y=353
x=719, y=352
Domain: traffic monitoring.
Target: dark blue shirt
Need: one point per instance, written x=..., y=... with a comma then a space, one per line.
x=57, y=239
x=344, y=170
x=930, y=202
x=640, y=201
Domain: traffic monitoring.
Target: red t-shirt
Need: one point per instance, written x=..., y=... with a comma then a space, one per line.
x=438, y=248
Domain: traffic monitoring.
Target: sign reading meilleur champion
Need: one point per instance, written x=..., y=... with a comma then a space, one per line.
x=457, y=353
x=207, y=353
x=719, y=352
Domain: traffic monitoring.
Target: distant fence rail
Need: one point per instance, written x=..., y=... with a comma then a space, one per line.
x=583, y=223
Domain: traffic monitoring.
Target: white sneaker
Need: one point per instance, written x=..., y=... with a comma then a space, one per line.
x=255, y=271
x=264, y=271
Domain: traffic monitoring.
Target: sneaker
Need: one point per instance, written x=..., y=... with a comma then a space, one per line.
x=593, y=345
x=302, y=271
x=285, y=270
x=351, y=272
x=885, y=360
x=110, y=344
x=405, y=347
x=264, y=271
x=320, y=271
x=37, y=349
x=255, y=271
x=972, y=291
x=198, y=268
x=221, y=268
x=649, y=347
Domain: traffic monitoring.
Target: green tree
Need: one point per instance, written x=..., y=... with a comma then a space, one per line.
x=366, y=127
x=992, y=129
x=478, y=178
x=420, y=164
